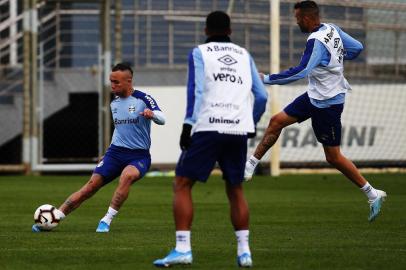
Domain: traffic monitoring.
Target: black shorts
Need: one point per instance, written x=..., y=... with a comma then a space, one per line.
x=230, y=151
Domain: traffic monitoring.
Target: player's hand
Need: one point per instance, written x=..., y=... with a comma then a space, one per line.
x=147, y=113
x=262, y=76
x=185, y=138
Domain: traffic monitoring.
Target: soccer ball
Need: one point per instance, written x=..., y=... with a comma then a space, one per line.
x=46, y=217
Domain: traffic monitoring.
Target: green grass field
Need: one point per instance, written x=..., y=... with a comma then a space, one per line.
x=297, y=222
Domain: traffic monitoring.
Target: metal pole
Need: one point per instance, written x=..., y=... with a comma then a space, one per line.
x=106, y=47
x=34, y=83
x=275, y=65
x=148, y=35
x=397, y=52
x=247, y=28
x=58, y=43
x=100, y=99
x=41, y=103
x=230, y=7
x=13, y=33
x=170, y=37
x=136, y=35
x=118, y=32
x=26, y=85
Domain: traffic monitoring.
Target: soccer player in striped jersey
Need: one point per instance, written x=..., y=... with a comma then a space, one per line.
x=128, y=155
x=220, y=115
x=322, y=62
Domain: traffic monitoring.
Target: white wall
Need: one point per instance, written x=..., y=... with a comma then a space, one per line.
x=374, y=122
x=165, y=139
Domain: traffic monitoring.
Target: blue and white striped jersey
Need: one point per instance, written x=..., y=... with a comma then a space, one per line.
x=132, y=130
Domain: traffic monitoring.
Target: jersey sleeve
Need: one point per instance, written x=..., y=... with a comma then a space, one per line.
x=314, y=54
x=194, y=85
x=259, y=92
x=352, y=47
x=149, y=101
x=159, y=117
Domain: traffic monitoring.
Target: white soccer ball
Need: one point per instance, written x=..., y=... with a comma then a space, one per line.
x=46, y=217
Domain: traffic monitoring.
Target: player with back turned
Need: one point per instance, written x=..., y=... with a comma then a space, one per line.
x=322, y=62
x=220, y=114
x=128, y=155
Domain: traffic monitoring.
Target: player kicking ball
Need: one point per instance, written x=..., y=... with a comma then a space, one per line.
x=128, y=155
x=322, y=62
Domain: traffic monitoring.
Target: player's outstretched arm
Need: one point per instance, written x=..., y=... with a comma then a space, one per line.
x=311, y=58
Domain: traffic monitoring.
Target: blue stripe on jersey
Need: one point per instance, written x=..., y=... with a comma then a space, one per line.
x=195, y=85
x=190, y=87
x=148, y=100
x=259, y=91
x=315, y=54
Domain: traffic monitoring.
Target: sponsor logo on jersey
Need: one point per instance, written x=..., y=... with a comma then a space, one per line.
x=227, y=60
x=340, y=53
x=336, y=42
x=126, y=121
x=329, y=35
x=131, y=109
x=225, y=77
x=217, y=48
x=227, y=106
x=151, y=101
x=221, y=120
x=229, y=69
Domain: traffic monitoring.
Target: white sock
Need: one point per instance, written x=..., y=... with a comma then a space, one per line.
x=253, y=161
x=183, y=241
x=243, y=242
x=111, y=213
x=60, y=214
x=369, y=191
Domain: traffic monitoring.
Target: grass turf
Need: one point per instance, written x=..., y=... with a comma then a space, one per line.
x=297, y=222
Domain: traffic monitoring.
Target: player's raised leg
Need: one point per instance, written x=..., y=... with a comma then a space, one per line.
x=183, y=215
x=274, y=129
x=87, y=191
x=347, y=167
x=77, y=198
x=129, y=175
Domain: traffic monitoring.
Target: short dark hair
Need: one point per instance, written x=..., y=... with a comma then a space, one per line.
x=123, y=67
x=218, y=22
x=308, y=7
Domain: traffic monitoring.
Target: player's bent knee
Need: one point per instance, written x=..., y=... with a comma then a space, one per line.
x=276, y=124
x=129, y=175
x=332, y=159
x=129, y=178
